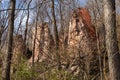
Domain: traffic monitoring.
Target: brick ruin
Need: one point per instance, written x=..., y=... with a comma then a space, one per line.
x=82, y=40
x=42, y=42
x=81, y=34
x=18, y=50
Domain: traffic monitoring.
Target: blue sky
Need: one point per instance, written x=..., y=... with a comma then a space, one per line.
x=83, y=2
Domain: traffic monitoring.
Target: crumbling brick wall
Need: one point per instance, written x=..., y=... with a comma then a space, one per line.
x=81, y=32
x=42, y=42
x=18, y=50
x=82, y=37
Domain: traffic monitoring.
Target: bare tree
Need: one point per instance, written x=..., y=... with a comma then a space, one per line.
x=56, y=37
x=26, y=29
x=7, y=62
x=111, y=39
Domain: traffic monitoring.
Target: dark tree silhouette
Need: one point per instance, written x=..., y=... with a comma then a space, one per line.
x=8, y=55
x=56, y=37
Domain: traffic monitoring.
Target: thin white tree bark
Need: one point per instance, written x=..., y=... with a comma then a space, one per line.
x=111, y=39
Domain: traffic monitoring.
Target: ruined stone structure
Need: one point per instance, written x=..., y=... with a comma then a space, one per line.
x=42, y=42
x=18, y=47
x=18, y=50
x=81, y=32
x=82, y=38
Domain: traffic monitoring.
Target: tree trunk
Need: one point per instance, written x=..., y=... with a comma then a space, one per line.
x=0, y=38
x=1, y=32
x=56, y=37
x=111, y=39
x=26, y=29
x=8, y=56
